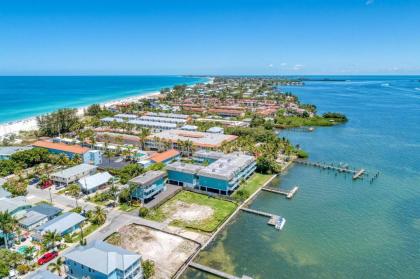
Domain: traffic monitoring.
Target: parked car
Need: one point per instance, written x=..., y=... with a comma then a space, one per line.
x=34, y=181
x=46, y=184
x=47, y=257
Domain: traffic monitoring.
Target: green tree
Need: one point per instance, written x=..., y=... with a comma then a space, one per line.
x=144, y=133
x=58, y=122
x=50, y=239
x=8, y=225
x=57, y=266
x=29, y=253
x=148, y=268
x=98, y=216
x=74, y=191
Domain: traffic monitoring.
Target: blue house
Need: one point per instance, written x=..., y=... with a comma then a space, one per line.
x=8, y=151
x=183, y=174
x=39, y=215
x=221, y=176
x=64, y=224
x=101, y=260
x=87, y=155
x=148, y=185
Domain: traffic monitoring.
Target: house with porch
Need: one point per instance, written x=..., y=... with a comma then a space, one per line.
x=148, y=185
x=102, y=261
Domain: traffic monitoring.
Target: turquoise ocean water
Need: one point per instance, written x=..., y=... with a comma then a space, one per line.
x=336, y=227
x=23, y=97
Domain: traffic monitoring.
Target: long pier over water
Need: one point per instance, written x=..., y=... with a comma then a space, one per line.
x=216, y=272
x=339, y=168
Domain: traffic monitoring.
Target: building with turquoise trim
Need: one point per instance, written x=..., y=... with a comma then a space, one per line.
x=221, y=176
x=148, y=185
x=100, y=260
x=203, y=156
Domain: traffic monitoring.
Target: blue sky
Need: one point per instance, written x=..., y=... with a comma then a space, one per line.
x=209, y=37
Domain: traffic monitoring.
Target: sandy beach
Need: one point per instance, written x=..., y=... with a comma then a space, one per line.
x=30, y=124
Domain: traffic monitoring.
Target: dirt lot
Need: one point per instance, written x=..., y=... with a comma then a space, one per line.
x=193, y=211
x=188, y=212
x=168, y=252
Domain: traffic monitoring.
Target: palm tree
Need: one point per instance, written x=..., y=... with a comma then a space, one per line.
x=113, y=190
x=144, y=133
x=99, y=216
x=8, y=225
x=51, y=238
x=29, y=253
x=74, y=191
x=57, y=266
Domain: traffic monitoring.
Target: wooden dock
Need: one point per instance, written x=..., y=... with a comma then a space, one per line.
x=273, y=219
x=288, y=194
x=359, y=174
x=257, y=212
x=216, y=272
x=339, y=168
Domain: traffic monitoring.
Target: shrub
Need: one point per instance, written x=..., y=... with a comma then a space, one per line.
x=148, y=268
x=143, y=211
x=23, y=268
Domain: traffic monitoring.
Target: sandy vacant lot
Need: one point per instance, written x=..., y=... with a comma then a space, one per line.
x=188, y=212
x=168, y=252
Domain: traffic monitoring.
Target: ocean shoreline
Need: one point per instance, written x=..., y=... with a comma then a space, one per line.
x=30, y=123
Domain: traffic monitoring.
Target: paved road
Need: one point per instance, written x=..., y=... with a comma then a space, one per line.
x=36, y=195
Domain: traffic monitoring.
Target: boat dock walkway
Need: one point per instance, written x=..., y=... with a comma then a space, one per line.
x=288, y=194
x=273, y=219
x=358, y=174
x=339, y=168
x=216, y=272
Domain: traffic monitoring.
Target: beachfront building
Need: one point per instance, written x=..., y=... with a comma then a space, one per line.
x=90, y=184
x=71, y=150
x=223, y=175
x=148, y=185
x=64, y=224
x=165, y=157
x=203, y=156
x=101, y=260
x=7, y=151
x=152, y=125
x=70, y=175
x=156, y=122
x=201, y=140
x=183, y=174
x=39, y=215
x=169, y=115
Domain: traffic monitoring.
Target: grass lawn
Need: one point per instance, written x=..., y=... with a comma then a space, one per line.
x=87, y=230
x=127, y=208
x=221, y=210
x=250, y=186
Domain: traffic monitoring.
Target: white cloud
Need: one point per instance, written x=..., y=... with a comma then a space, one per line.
x=370, y=2
x=270, y=65
x=297, y=67
x=283, y=64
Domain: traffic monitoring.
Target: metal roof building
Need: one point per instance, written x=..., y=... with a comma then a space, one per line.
x=99, y=259
x=91, y=183
x=70, y=175
x=169, y=115
x=63, y=224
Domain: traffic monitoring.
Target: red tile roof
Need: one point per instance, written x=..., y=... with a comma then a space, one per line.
x=160, y=157
x=77, y=149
